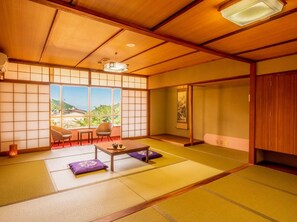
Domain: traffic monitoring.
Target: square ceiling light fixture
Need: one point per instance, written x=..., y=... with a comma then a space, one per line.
x=245, y=12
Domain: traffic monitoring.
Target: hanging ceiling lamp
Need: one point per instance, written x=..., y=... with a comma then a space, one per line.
x=245, y=12
x=115, y=66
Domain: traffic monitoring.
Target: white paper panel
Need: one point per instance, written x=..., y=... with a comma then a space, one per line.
x=32, y=134
x=36, y=69
x=43, y=115
x=19, y=97
x=6, y=126
x=11, y=75
x=32, y=143
x=4, y=117
x=12, y=66
x=18, y=126
x=5, y=145
x=44, y=98
x=6, y=107
x=31, y=107
x=23, y=68
x=19, y=107
x=21, y=135
x=43, y=106
x=36, y=77
x=32, y=116
x=20, y=116
x=44, y=142
x=43, y=133
x=43, y=124
x=32, y=98
x=32, y=125
x=22, y=144
x=6, y=136
x=19, y=88
x=6, y=87
x=32, y=88
x=44, y=89
x=6, y=97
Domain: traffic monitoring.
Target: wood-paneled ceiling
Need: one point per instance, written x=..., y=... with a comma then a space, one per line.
x=167, y=34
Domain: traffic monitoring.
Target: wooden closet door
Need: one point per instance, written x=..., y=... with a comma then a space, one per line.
x=276, y=113
x=286, y=116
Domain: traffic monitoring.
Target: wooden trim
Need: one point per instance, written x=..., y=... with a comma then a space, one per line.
x=250, y=26
x=176, y=14
x=48, y=34
x=252, y=116
x=61, y=5
x=191, y=110
x=148, y=113
x=207, y=81
x=267, y=46
x=162, y=43
x=104, y=43
x=144, y=205
x=280, y=73
x=166, y=61
x=222, y=79
x=275, y=57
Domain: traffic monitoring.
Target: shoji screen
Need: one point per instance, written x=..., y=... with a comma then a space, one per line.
x=24, y=115
x=134, y=113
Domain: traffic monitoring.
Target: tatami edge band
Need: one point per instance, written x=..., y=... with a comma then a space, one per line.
x=146, y=204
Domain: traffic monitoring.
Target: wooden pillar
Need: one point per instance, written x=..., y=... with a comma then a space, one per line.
x=191, y=131
x=252, y=122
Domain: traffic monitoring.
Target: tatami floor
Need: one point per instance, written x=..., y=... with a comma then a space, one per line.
x=198, y=183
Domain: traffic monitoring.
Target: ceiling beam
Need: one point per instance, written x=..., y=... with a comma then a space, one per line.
x=64, y=6
x=267, y=46
x=48, y=35
x=250, y=26
x=176, y=14
x=104, y=43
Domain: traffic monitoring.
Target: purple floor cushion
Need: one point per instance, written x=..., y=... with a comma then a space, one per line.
x=141, y=155
x=86, y=166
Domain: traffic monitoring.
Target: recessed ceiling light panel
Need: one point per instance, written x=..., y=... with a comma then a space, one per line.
x=245, y=12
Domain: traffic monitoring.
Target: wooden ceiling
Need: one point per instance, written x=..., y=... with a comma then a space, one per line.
x=167, y=34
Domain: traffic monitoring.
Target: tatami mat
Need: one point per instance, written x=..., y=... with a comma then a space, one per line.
x=65, y=179
x=273, y=203
x=77, y=205
x=208, y=159
x=146, y=215
x=23, y=181
x=280, y=180
x=154, y=183
x=222, y=151
x=199, y=205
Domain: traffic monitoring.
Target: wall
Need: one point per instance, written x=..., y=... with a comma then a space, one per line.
x=223, y=68
x=158, y=111
x=282, y=64
x=221, y=110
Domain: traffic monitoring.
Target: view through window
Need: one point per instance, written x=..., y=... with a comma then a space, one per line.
x=84, y=107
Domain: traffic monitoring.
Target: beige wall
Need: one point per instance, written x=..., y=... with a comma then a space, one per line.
x=158, y=111
x=282, y=64
x=223, y=68
x=221, y=110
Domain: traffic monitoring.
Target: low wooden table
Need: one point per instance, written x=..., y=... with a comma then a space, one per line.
x=80, y=135
x=131, y=146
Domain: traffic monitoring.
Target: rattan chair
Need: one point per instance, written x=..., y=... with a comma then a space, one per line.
x=60, y=134
x=104, y=129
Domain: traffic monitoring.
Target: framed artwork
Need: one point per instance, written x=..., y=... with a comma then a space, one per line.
x=182, y=108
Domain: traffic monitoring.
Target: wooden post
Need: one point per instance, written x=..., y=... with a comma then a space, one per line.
x=191, y=131
x=252, y=123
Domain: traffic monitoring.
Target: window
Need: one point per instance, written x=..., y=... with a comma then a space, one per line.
x=134, y=114
x=70, y=106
